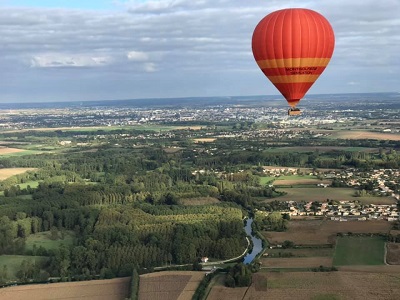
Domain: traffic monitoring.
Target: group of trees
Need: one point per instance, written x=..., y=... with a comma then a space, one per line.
x=124, y=204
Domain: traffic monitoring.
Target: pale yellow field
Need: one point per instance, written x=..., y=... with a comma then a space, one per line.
x=111, y=289
x=8, y=172
x=6, y=150
x=169, y=285
x=366, y=135
x=204, y=140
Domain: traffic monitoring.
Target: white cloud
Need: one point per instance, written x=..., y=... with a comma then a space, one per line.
x=137, y=56
x=57, y=60
x=150, y=67
x=201, y=45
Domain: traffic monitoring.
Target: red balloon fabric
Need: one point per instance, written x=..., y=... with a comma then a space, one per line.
x=293, y=47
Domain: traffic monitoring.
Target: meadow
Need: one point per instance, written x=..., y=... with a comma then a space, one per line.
x=322, y=194
x=13, y=263
x=44, y=240
x=359, y=250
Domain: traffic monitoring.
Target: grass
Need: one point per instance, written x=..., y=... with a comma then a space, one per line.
x=13, y=263
x=32, y=184
x=359, y=251
x=322, y=194
x=267, y=179
x=22, y=153
x=44, y=239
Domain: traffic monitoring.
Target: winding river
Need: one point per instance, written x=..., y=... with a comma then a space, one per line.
x=257, y=243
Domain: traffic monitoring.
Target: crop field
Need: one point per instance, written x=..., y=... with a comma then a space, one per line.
x=300, y=181
x=6, y=150
x=296, y=262
x=110, y=289
x=359, y=251
x=320, y=232
x=393, y=253
x=204, y=140
x=220, y=292
x=322, y=149
x=8, y=172
x=319, y=286
x=44, y=239
x=363, y=135
x=300, y=252
x=169, y=285
x=13, y=263
x=322, y=194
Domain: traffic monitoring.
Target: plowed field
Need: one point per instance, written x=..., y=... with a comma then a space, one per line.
x=112, y=289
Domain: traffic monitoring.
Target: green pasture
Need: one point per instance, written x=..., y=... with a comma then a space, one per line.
x=13, y=263
x=322, y=194
x=355, y=250
x=44, y=239
x=32, y=184
x=22, y=153
x=267, y=179
x=320, y=149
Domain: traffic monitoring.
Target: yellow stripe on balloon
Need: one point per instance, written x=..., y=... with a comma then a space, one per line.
x=293, y=62
x=293, y=78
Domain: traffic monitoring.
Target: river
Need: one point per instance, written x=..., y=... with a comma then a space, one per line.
x=257, y=243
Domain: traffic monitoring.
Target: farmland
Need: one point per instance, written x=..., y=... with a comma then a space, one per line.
x=321, y=231
x=297, y=262
x=8, y=172
x=359, y=251
x=393, y=254
x=322, y=194
x=347, y=285
x=169, y=285
x=111, y=289
x=347, y=134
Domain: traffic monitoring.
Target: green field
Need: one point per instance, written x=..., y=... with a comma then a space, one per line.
x=32, y=184
x=22, y=153
x=322, y=194
x=44, y=239
x=13, y=263
x=267, y=179
x=359, y=251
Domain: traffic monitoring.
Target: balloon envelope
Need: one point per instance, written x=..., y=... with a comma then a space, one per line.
x=293, y=47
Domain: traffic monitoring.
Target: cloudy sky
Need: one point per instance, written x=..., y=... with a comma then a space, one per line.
x=75, y=50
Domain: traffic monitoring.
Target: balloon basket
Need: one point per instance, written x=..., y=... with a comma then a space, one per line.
x=294, y=112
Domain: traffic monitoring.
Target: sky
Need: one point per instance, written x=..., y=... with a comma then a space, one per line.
x=77, y=50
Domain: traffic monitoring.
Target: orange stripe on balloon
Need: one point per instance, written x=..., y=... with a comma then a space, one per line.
x=293, y=78
x=293, y=62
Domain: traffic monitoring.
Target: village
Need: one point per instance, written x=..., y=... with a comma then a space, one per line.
x=381, y=182
x=344, y=210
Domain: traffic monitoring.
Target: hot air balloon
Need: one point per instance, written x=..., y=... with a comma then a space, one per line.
x=292, y=47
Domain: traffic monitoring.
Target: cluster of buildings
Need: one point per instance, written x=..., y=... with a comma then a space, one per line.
x=345, y=210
